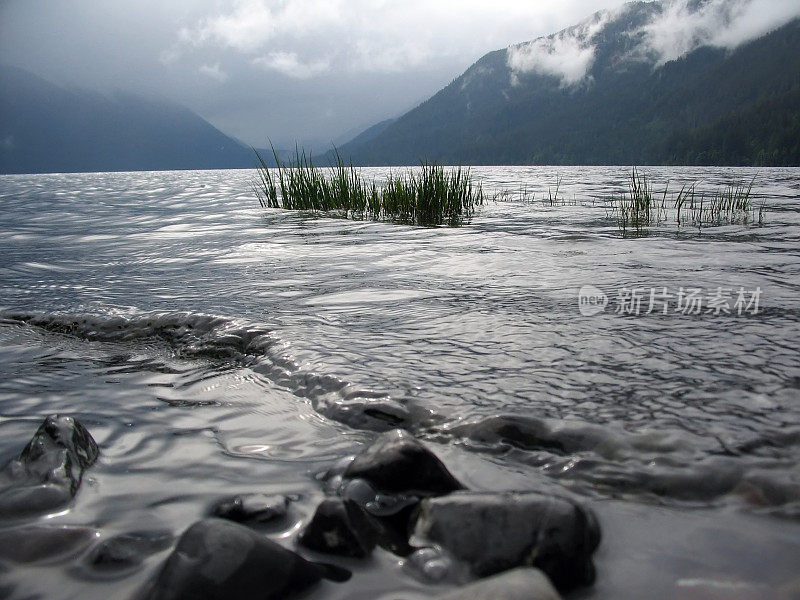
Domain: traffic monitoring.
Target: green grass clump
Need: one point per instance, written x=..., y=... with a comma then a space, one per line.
x=732, y=204
x=430, y=196
x=640, y=207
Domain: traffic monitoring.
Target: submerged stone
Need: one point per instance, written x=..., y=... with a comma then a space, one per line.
x=220, y=560
x=26, y=500
x=36, y=544
x=531, y=433
x=493, y=532
x=49, y=470
x=523, y=583
x=127, y=550
x=398, y=463
x=332, y=478
x=432, y=565
x=340, y=527
x=364, y=412
x=373, y=502
x=251, y=508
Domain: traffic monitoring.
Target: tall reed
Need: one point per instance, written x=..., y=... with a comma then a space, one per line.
x=640, y=207
x=429, y=196
x=731, y=204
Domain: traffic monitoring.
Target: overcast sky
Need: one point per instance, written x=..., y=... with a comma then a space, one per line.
x=318, y=71
x=312, y=70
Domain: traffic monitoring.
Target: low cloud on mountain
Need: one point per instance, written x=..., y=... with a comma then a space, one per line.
x=680, y=27
x=567, y=55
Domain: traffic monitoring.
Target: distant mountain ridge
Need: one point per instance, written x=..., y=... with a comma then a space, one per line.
x=47, y=128
x=609, y=90
x=599, y=93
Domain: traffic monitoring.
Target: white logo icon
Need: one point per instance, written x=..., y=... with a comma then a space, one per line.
x=591, y=300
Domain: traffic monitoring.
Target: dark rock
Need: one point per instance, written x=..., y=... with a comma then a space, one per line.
x=33, y=544
x=251, y=508
x=48, y=471
x=397, y=463
x=60, y=450
x=340, y=527
x=494, y=532
x=221, y=560
x=388, y=514
x=386, y=481
x=127, y=550
x=518, y=584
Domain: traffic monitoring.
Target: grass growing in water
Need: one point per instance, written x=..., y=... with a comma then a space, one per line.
x=640, y=207
x=553, y=197
x=732, y=204
x=430, y=196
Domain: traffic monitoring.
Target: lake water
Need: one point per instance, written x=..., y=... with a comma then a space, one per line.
x=214, y=347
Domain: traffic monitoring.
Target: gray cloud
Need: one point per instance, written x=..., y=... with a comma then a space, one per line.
x=567, y=55
x=368, y=36
x=720, y=23
x=311, y=70
x=291, y=65
x=214, y=71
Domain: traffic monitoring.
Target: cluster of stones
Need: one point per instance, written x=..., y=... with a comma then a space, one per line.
x=395, y=494
x=398, y=495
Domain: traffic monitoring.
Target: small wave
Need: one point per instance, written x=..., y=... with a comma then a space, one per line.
x=665, y=465
x=215, y=338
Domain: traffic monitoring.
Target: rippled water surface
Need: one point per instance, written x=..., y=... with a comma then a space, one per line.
x=212, y=347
